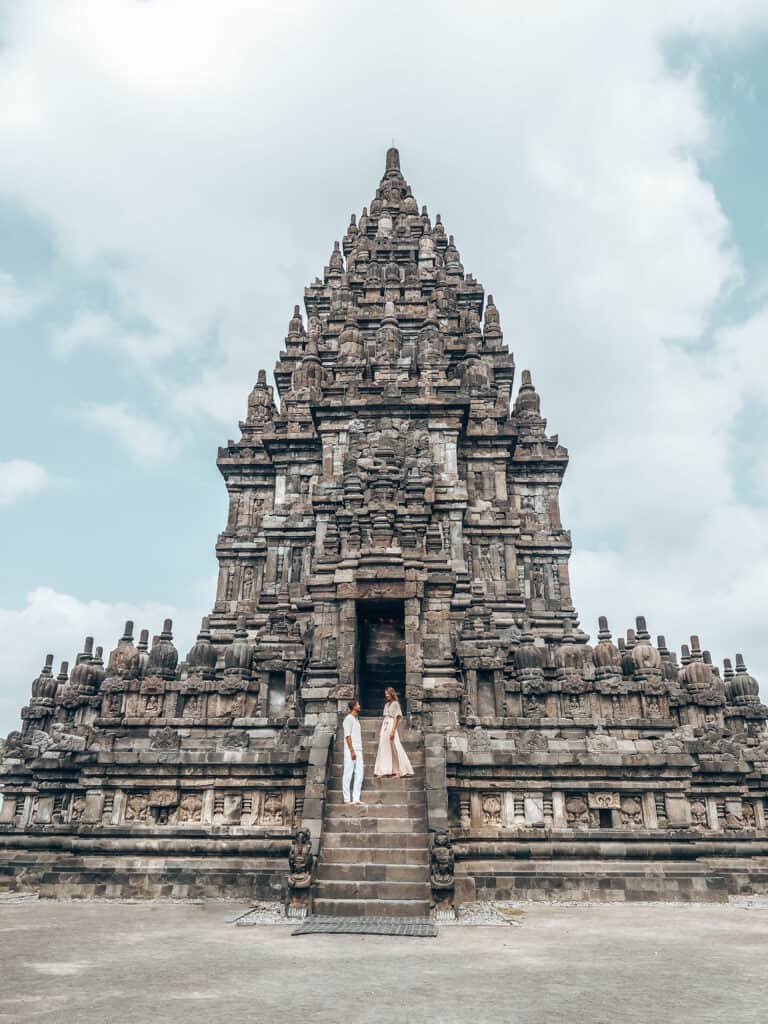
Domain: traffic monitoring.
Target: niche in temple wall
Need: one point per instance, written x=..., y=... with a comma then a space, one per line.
x=231, y=576
x=247, y=508
x=539, y=581
x=533, y=507
x=250, y=581
x=485, y=560
x=300, y=563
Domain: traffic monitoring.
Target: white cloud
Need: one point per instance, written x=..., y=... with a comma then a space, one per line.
x=20, y=478
x=56, y=623
x=101, y=330
x=205, y=181
x=145, y=441
x=15, y=302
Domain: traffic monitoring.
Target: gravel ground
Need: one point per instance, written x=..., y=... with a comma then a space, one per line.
x=109, y=962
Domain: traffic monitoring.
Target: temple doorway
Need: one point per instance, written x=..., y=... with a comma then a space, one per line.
x=380, y=653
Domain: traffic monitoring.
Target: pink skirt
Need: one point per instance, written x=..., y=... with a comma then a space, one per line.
x=391, y=758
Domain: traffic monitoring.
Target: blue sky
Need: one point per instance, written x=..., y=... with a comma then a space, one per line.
x=171, y=178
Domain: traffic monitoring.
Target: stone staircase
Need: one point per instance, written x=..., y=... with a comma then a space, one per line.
x=374, y=858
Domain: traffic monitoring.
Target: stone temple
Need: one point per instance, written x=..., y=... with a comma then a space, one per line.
x=393, y=519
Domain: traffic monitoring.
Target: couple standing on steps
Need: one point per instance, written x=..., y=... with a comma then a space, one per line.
x=391, y=758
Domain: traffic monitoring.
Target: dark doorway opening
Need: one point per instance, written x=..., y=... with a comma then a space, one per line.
x=380, y=653
x=276, y=694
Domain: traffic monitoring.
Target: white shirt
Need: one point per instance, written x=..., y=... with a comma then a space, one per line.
x=352, y=728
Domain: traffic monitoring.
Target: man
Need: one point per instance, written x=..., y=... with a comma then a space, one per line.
x=353, y=754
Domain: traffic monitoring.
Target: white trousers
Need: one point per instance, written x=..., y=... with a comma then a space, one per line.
x=351, y=768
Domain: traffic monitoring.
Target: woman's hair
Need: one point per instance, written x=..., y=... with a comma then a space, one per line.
x=391, y=690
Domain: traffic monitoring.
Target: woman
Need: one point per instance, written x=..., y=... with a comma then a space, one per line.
x=391, y=758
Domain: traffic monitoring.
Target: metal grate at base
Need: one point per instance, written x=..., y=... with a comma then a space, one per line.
x=420, y=927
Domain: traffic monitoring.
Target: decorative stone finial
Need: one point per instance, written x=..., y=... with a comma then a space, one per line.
x=727, y=669
x=203, y=655
x=742, y=689
x=528, y=402
x=642, y=630
x=336, y=262
x=604, y=632
x=392, y=168
x=296, y=324
x=44, y=681
x=128, y=631
x=163, y=657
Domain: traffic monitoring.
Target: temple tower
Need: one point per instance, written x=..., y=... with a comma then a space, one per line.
x=398, y=509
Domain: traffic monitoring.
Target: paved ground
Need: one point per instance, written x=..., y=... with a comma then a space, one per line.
x=107, y=963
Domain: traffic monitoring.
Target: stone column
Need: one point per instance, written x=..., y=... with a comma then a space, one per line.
x=347, y=652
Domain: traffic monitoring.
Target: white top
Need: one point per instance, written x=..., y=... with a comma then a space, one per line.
x=352, y=728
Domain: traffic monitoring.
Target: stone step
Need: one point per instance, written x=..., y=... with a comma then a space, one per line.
x=414, y=810
x=381, y=826
x=337, y=771
x=411, y=741
x=386, y=857
x=381, y=796
x=333, y=872
x=370, y=724
x=356, y=890
x=369, y=756
x=406, y=789
x=371, y=908
x=374, y=840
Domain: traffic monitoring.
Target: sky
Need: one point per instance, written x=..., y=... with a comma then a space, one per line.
x=174, y=172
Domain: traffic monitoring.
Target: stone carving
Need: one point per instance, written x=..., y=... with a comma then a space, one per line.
x=631, y=810
x=137, y=807
x=235, y=739
x=577, y=812
x=64, y=741
x=272, y=811
x=491, y=804
x=441, y=873
x=152, y=704
x=699, y=814
x=13, y=745
x=190, y=808
x=301, y=860
x=165, y=739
